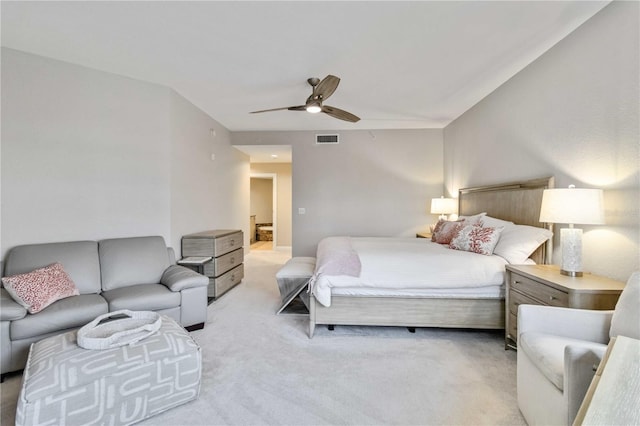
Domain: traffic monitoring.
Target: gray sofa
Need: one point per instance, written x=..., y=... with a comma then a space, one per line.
x=125, y=273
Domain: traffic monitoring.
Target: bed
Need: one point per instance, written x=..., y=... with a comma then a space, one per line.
x=350, y=303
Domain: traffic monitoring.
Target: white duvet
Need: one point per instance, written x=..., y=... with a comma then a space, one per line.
x=407, y=264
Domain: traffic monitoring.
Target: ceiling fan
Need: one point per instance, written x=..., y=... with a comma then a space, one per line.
x=322, y=89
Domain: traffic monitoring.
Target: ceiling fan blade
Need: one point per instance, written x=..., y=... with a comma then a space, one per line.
x=291, y=108
x=326, y=87
x=340, y=114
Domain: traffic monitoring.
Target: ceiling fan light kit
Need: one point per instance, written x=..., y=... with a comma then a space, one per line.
x=322, y=89
x=314, y=108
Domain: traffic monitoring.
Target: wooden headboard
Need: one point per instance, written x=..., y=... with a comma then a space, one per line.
x=518, y=202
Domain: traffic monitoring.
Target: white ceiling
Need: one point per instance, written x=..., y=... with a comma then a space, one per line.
x=267, y=153
x=402, y=64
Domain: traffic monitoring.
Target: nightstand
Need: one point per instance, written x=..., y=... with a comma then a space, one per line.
x=544, y=285
x=423, y=234
x=224, y=246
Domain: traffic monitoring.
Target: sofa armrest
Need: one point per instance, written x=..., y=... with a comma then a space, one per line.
x=177, y=278
x=582, y=324
x=580, y=365
x=10, y=309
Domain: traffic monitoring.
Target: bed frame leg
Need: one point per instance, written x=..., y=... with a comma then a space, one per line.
x=411, y=329
x=312, y=315
x=331, y=327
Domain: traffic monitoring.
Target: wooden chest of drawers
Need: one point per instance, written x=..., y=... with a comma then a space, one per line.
x=225, y=247
x=544, y=285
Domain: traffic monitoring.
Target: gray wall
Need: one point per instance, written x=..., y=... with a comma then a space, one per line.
x=92, y=155
x=261, y=195
x=573, y=114
x=205, y=193
x=373, y=183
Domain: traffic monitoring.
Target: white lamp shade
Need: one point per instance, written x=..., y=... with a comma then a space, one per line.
x=443, y=205
x=572, y=206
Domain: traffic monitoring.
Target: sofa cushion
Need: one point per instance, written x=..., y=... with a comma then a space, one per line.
x=131, y=261
x=546, y=351
x=79, y=259
x=143, y=297
x=72, y=312
x=10, y=309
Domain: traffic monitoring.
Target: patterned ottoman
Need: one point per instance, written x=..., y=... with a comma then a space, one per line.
x=66, y=384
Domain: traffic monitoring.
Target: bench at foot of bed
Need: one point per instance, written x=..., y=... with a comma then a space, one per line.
x=293, y=279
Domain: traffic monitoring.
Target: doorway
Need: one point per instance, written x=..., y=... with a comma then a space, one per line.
x=263, y=211
x=273, y=163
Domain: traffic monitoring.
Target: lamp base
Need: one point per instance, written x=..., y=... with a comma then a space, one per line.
x=571, y=242
x=571, y=273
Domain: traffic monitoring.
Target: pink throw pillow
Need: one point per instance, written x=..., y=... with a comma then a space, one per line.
x=444, y=231
x=476, y=239
x=38, y=289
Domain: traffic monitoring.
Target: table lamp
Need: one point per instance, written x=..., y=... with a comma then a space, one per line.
x=443, y=206
x=572, y=206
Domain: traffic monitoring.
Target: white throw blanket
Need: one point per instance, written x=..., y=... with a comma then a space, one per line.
x=336, y=256
x=399, y=263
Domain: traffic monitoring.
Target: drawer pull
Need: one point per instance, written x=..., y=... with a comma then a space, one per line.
x=232, y=242
x=553, y=298
x=233, y=277
x=232, y=260
x=516, y=282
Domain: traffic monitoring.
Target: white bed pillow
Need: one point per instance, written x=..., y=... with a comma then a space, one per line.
x=472, y=220
x=518, y=242
x=492, y=222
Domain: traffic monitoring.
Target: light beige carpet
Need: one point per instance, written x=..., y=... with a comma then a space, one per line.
x=261, y=369
x=262, y=245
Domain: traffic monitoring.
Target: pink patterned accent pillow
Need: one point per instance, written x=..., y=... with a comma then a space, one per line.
x=38, y=289
x=476, y=239
x=445, y=230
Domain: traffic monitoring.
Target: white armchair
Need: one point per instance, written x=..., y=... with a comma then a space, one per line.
x=558, y=349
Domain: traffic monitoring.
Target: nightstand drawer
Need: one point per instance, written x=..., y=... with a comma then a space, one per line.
x=228, y=243
x=220, y=285
x=542, y=293
x=210, y=244
x=222, y=264
x=516, y=299
x=228, y=261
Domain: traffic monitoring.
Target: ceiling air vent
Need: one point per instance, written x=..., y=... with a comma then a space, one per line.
x=322, y=139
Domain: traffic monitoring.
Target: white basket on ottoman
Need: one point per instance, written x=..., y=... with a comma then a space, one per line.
x=66, y=384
